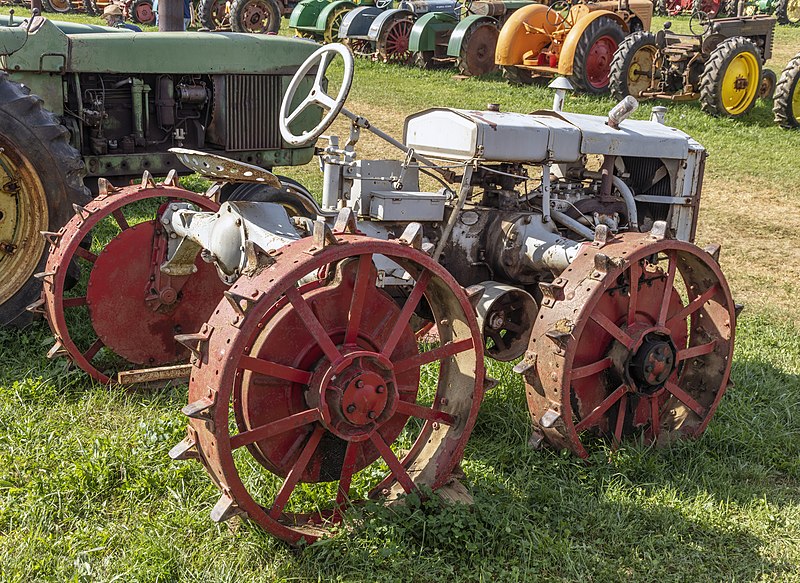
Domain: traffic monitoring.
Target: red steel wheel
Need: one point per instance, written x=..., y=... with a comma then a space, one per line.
x=392, y=44
x=598, y=61
x=634, y=339
x=126, y=312
x=319, y=385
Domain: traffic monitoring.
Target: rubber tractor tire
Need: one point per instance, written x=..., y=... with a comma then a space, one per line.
x=593, y=55
x=42, y=177
x=768, y=82
x=660, y=8
x=517, y=75
x=633, y=66
x=212, y=14
x=786, y=105
x=731, y=78
x=59, y=6
x=142, y=12
x=256, y=16
x=788, y=12
x=476, y=56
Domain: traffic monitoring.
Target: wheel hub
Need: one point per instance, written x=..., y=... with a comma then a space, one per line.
x=355, y=394
x=653, y=363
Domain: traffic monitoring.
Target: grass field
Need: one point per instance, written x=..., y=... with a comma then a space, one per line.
x=87, y=492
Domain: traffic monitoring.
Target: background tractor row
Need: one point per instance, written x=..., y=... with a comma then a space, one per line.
x=72, y=108
x=254, y=16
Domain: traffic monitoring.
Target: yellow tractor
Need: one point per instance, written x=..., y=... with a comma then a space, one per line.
x=574, y=39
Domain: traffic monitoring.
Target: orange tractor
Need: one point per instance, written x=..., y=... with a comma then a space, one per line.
x=574, y=39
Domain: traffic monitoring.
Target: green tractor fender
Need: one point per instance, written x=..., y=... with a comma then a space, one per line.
x=322, y=19
x=423, y=34
x=305, y=14
x=457, y=38
x=356, y=23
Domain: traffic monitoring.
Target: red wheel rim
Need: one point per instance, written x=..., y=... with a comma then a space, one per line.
x=598, y=61
x=397, y=39
x=344, y=332
x=144, y=13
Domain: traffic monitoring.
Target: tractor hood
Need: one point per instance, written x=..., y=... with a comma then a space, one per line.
x=48, y=49
x=460, y=134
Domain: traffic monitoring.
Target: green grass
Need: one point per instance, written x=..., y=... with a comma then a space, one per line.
x=88, y=493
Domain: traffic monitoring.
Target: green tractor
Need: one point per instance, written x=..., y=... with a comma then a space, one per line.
x=73, y=108
x=786, y=11
x=787, y=96
x=320, y=19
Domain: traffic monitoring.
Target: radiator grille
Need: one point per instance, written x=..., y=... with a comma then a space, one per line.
x=251, y=109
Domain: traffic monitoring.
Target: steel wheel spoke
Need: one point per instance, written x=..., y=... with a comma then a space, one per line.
x=120, y=218
x=593, y=417
x=405, y=314
x=312, y=324
x=698, y=350
x=621, y=412
x=423, y=412
x=449, y=349
x=93, y=350
x=633, y=293
x=359, y=296
x=275, y=428
x=613, y=329
x=73, y=302
x=591, y=369
x=694, y=305
x=672, y=257
x=295, y=473
x=346, y=477
x=685, y=398
x=85, y=254
x=397, y=469
x=275, y=370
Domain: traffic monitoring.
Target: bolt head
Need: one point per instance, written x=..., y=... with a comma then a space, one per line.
x=371, y=414
x=379, y=389
x=351, y=408
x=359, y=384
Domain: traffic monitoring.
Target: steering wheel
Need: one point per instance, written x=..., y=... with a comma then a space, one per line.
x=701, y=18
x=557, y=12
x=317, y=96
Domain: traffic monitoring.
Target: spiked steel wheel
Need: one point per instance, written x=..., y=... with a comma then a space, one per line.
x=634, y=339
x=127, y=311
x=319, y=385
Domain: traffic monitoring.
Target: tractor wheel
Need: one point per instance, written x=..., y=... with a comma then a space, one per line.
x=768, y=81
x=60, y=6
x=593, y=55
x=359, y=47
x=90, y=8
x=293, y=196
x=41, y=177
x=787, y=96
x=127, y=312
x=517, y=75
x=730, y=8
x=142, y=12
x=788, y=12
x=392, y=43
x=731, y=78
x=478, y=45
x=213, y=14
x=319, y=402
x=617, y=356
x=423, y=59
x=331, y=34
x=257, y=16
x=661, y=7
x=710, y=8
x=634, y=65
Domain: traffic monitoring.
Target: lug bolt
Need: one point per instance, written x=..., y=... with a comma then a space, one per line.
x=379, y=389
x=359, y=384
x=351, y=408
x=371, y=414
x=648, y=368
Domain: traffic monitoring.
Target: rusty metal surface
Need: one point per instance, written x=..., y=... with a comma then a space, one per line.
x=125, y=314
x=219, y=167
x=612, y=359
x=341, y=366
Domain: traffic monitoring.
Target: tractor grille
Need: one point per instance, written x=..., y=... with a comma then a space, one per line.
x=246, y=115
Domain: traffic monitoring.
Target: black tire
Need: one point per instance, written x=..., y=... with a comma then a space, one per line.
x=730, y=8
x=517, y=75
x=620, y=77
x=787, y=15
x=423, y=59
x=134, y=15
x=293, y=196
x=90, y=8
x=256, y=16
x=212, y=14
x=711, y=81
x=786, y=93
x=60, y=6
x=768, y=82
x=585, y=77
x=478, y=45
x=661, y=8
x=31, y=134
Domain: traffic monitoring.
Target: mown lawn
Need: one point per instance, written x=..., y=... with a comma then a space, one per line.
x=87, y=492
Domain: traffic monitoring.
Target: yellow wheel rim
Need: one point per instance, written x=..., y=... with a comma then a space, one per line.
x=640, y=72
x=793, y=10
x=331, y=34
x=23, y=214
x=740, y=84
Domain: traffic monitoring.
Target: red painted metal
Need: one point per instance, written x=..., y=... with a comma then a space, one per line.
x=126, y=304
x=621, y=355
x=598, y=61
x=321, y=382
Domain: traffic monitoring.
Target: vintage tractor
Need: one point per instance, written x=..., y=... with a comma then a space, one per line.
x=321, y=19
x=674, y=7
x=719, y=62
x=561, y=238
x=787, y=96
x=468, y=42
x=385, y=33
x=71, y=108
x=576, y=40
x=786, y=11
x=140, y=11
x=254, y=16
x=214, y=14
